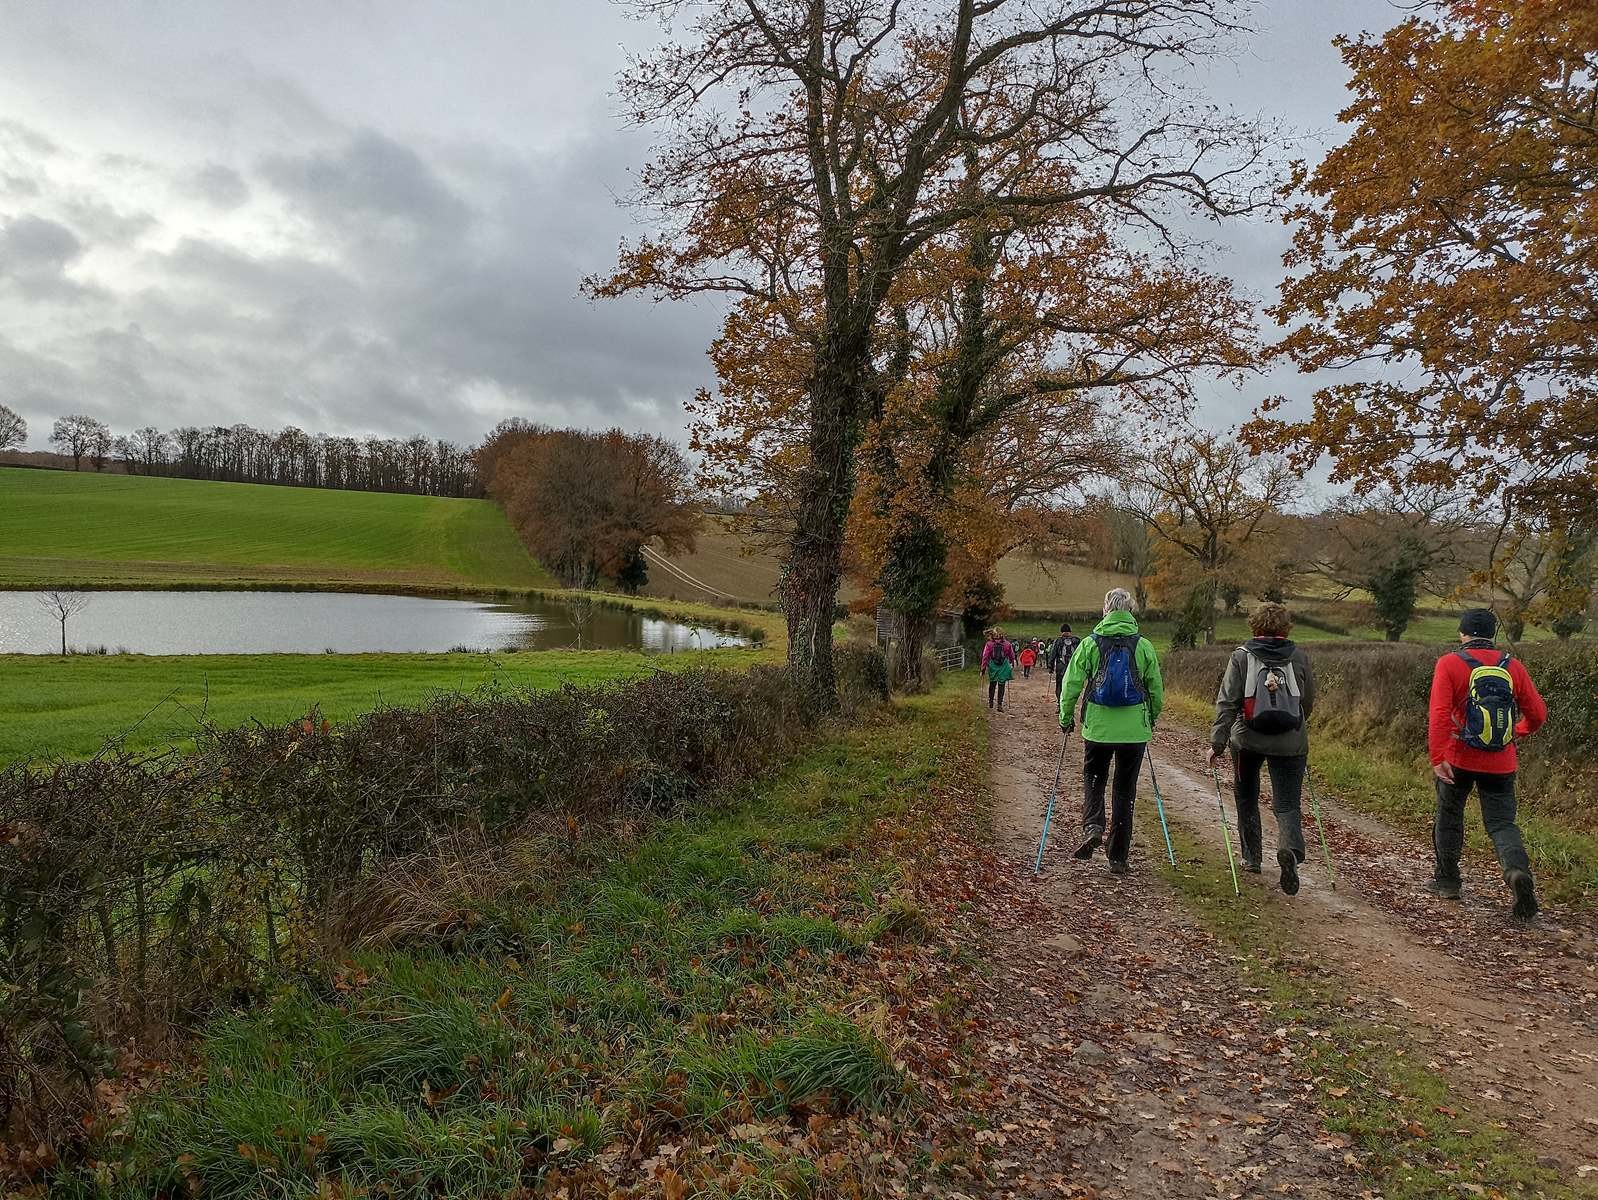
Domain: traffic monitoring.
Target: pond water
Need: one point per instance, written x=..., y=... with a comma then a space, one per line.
x=347, y=623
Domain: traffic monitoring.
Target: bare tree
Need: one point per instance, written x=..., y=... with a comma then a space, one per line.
x=1212, y=506
x=13, y=429
x=78, y=435
x=62, y=606
x=1391, y=545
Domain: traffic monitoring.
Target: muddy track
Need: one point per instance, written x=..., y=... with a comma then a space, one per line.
x=1509, y=1012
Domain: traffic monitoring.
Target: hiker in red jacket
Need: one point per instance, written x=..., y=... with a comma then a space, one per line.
x=1482, y=700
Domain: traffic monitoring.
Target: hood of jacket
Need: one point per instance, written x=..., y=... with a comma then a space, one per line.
x=1116, y=624
x=1273, y=652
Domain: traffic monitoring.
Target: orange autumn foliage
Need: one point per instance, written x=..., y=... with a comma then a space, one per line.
x=1452, y=243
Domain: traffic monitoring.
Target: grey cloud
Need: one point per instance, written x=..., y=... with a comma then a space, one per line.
x=220, y=186
x=16, y=135
x=31, y=243
x=370, y=176
x=19, y=185
x=100, y=222
x=34, y=255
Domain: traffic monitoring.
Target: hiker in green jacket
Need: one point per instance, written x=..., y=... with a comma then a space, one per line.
x=1116, y=674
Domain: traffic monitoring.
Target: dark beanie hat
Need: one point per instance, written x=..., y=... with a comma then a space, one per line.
x=1066, y=627
x=1478, y=623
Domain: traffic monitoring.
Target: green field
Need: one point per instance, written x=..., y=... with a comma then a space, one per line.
x=70, y=529
x=70, y=706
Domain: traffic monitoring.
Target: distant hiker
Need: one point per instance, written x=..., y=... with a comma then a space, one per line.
x=998, y=661
x=1116, y=674
x=1261, y=710
x=1060, y=651
x=1028, y=657
x=1482, y=700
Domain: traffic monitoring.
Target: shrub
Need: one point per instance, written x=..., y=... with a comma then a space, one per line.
x=137, y=891
x=862, y=676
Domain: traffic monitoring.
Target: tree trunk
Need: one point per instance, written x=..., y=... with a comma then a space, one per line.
x=63, y=637
x=912, y=664
x=1394, y=635
x=813, y=565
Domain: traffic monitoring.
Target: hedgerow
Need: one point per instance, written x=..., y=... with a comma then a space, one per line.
x=138, y=892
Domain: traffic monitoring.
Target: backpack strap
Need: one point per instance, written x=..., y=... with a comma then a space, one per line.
x=1469, y=658
x=1504, y=661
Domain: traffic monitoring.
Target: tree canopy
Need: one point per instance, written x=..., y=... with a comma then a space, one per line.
x=1451, y=242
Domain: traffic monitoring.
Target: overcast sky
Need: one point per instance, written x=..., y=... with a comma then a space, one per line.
x=373, y=216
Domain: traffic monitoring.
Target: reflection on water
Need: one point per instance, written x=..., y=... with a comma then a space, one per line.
x=348, y=623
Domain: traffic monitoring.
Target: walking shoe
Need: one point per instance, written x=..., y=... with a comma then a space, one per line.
x=1119, y=866
x=1443, y=889
x=1090, y=842
x=1288, y=861
x=1525, y=896
x=1251, y=865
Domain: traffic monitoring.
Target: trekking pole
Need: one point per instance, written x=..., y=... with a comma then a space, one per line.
x=1159, y=803
x=1320, y=825
x=1048, y=814
x=1226, y=831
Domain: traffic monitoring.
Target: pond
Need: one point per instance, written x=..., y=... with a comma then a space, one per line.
x=346, y=623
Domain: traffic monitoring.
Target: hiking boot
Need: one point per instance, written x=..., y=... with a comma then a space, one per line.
x=1443, y=889
x=1525, y=895
x=1090, y=842
x=1251, y=865
x=1288, y=861
x=1119, y=866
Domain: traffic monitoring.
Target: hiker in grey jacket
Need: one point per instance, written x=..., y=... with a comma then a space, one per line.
x=1261, y=713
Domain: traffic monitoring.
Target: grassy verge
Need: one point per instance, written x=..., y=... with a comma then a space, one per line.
x=67, y=529
x=1415, y=1137
x=689, y=1014
x=70, y=706
x=1400, y=792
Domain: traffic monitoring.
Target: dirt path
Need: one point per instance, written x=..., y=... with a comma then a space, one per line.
x=1130, y=1060
x=1509, y=1011
x=1139, y=1066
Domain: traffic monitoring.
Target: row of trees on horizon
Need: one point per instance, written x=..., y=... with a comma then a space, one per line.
x=243, y=454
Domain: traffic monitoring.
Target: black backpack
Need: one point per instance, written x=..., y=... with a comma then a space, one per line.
x=1060, y=651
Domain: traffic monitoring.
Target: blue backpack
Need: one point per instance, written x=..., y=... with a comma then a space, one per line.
x=1116, y=684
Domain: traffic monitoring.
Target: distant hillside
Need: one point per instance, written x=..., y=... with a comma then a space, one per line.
x=719, y=567
x=82, y=529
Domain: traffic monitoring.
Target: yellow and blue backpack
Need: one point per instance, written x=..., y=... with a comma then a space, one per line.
x=1490, y=708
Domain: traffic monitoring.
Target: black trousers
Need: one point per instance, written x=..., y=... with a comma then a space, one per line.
x=1097, y=758
x=996, y=686
x=1497, y=794
x=1287, y=799
x=1059, y=683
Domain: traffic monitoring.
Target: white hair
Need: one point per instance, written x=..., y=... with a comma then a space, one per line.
x=1118, y=600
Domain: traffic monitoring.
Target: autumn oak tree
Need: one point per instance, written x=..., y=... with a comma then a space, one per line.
x=1454, y=236
x=810, y=148
x=586, y=504
x=1037, y=354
